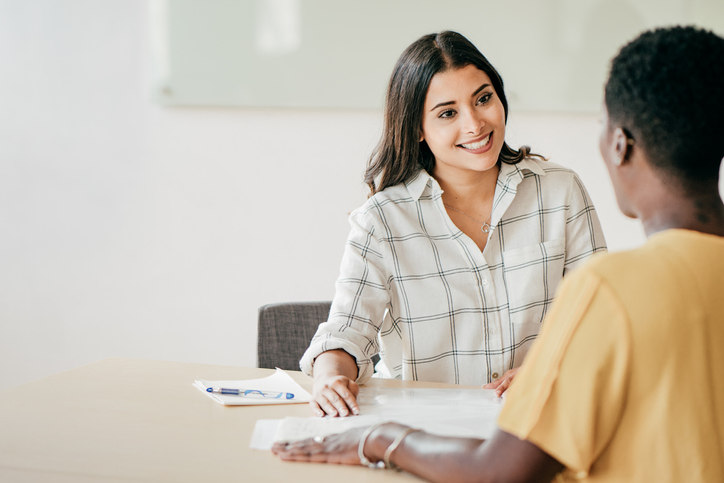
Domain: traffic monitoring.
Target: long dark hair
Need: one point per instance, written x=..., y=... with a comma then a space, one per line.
x=399, y=153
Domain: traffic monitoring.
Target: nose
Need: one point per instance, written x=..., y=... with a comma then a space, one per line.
x=473, y=121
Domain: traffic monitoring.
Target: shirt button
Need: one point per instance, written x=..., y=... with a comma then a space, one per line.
x=485, y=283
x=495, y=375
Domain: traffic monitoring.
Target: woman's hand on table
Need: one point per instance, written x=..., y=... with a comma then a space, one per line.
x=335, y=391
x=335, y=396
x=503, y=457
x=338, y=448
x=502, y=383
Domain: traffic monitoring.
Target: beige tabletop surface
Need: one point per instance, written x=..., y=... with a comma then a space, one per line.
x=142, y=420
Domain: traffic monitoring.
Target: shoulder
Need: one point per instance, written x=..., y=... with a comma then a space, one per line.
x=668, y=255
x=616, y=269
x=557, y=183
x=392, y=194
x=673, y=277
x=534, y=179
x=632, y=276
x=380, y=201
x=632, y=265
x=399, y=196
x=382, y=212
x=546, y=170
x=538, y=174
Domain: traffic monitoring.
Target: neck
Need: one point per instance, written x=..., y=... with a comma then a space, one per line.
x=674, y=208
x=470, y=188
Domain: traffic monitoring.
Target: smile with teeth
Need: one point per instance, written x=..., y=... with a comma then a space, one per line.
x=479, y=144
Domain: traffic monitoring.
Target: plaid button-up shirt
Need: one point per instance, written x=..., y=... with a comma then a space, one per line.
x=416, y=289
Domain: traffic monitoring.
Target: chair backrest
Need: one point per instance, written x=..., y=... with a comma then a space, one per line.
x=285, y=330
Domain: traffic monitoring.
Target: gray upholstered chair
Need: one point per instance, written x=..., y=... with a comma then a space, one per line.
x=285, y=330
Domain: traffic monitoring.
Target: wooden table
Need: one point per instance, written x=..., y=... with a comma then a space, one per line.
x=141, y=420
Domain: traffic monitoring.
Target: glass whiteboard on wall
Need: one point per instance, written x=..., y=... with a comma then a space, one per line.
x=552, y=54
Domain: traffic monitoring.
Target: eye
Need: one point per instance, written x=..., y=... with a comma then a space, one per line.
x=483, y=99
x=446, y=114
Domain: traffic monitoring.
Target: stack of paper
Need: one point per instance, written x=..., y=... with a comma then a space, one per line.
x=452, y=412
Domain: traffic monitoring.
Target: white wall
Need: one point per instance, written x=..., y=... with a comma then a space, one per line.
x=131, y=230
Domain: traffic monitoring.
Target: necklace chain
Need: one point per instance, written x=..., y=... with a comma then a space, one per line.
x=486, y=228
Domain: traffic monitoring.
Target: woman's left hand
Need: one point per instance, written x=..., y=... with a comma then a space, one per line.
x=502, y=383
x=340, y=448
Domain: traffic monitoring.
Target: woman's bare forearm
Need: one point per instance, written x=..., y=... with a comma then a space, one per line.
x=335, y=363
x=432, y=457
x=451, y=459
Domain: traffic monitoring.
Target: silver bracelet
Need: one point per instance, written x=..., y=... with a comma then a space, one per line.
x=361, y=449
x=394, y=445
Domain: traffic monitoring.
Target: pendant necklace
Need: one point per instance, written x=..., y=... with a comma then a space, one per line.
x=485, y=228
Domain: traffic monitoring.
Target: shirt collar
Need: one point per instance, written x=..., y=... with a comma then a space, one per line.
x=416, y=186
x=526, y=164
x=509, y=174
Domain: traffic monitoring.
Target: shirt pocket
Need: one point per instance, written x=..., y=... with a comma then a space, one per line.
x=532, y=274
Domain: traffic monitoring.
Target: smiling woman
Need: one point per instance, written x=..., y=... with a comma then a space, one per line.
x=463, y=121
x=452, y=263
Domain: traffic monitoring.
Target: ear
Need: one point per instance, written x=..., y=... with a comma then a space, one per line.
x=622, y=145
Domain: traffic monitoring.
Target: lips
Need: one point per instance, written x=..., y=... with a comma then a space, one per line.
x=478, y=145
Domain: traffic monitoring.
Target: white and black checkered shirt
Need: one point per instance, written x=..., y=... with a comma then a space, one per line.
x=418, y=290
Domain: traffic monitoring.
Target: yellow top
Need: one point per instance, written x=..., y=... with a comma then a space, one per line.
x=626, y=379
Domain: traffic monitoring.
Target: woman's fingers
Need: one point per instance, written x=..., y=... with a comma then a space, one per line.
x=348, y=393
x=505, y=382
x=330, y=403
x=341, y=399
x=334, y=405
x=493, y=384
x=316, y=408
x=338, y=448
x=338, y=397
x=503, y=386
x=502, y=383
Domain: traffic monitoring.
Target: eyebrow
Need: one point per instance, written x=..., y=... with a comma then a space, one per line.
x=447, y=103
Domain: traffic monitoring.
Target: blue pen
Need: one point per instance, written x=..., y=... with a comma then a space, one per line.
x=250, y=393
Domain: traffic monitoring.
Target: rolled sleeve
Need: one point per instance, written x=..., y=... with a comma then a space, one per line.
x=360, y=301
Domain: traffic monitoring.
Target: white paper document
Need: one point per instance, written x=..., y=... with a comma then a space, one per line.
x=451, y=412
x=279, y=383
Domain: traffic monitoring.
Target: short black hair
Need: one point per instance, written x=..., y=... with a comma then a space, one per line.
x=666, y=90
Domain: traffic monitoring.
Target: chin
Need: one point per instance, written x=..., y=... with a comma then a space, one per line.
x=484, y=165
x=623, y=206
x=628, y=213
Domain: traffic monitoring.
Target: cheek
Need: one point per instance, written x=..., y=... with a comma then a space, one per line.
x=499, y=122
x=427, y=131
x=439, y=135
x=501, y=125
x=502, y=113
